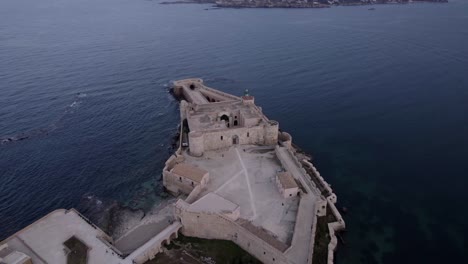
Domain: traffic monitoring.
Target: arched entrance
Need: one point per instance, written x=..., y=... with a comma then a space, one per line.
x=225, y=118
x=235, y=140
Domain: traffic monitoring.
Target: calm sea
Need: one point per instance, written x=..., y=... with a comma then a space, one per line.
x=379, y=98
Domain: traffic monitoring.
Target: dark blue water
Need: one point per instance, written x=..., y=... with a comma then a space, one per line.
x=380, y=98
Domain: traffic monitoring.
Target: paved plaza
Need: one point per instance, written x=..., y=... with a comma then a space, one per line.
x=245, y=175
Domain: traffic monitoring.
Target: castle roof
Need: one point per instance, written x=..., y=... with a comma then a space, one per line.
x=189, y=171
x=287, y=180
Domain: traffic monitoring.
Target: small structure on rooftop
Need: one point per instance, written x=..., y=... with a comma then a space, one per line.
x=287, y=186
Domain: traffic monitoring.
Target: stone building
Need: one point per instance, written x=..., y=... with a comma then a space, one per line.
x=287, y=186
x=185, y=177
x=216, y=120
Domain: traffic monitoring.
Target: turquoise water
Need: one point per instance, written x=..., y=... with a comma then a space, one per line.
x=379, y=98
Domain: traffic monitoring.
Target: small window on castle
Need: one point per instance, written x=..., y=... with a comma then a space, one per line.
x=180, y=178
x=235, y=116
x=248, y=134
x=221, y=137
x=192, y=183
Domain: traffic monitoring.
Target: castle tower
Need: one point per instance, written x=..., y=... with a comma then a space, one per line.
x=247, y=98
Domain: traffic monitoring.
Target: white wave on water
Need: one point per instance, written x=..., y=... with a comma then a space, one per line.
x=45, y=130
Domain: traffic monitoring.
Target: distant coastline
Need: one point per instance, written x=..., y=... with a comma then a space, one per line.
x=294, y=3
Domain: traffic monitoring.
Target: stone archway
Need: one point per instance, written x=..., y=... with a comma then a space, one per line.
x=225, y=118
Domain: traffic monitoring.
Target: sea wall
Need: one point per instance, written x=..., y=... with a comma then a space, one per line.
x=331, y=200
x=318, y=184
x=171, y=181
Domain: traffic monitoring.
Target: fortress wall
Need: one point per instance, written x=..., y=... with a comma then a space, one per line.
x=297, y=164
x=192, y=197
x=271, y=133
x=152, y=247
x=246, y=136
x=223, y=94
x=333, y=227
x=318, y=176
x=187, y=95
x=216, y=96
x=214, y=226
x=286, y=139
x=196, y=143
x=167, y=180
x=177, y=89
x=174, y=184
x=183, y=106
x=250, y=122
x=312, y=241
x=259, y=110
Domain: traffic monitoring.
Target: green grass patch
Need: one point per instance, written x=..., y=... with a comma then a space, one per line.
x=322, y=239
x=220, y=251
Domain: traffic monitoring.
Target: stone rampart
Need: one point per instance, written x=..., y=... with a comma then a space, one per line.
x=215, y=226
x=230, y=96
x=224, y=138
x=217, y=96
x=151, y=248
x=284, y=155
x=196, y=143
x=177, y=184
x=194, y=194
x=331, y=199
x=285, y=139
x=319, y=177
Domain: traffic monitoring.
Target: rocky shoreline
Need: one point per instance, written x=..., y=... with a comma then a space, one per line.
x=294, y=3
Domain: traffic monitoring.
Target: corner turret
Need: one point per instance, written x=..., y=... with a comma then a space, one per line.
x=247, y=98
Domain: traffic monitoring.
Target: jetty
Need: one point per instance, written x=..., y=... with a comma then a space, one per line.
x=236, y=177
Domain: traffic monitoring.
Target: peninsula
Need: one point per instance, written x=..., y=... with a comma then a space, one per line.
x=236, y=177
x=294, y=3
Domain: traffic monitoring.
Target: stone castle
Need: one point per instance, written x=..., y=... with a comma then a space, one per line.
x=236, y=177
